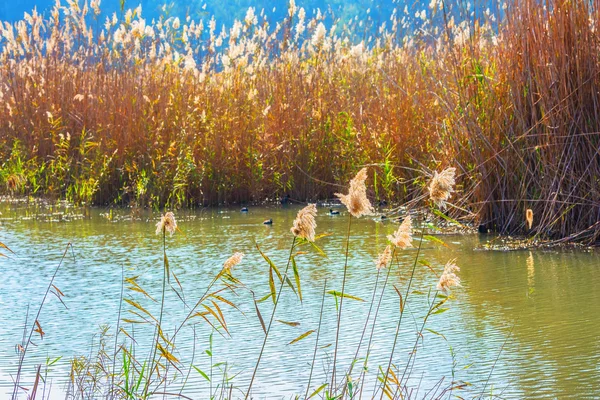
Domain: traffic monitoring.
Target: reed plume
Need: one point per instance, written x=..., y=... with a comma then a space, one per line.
x=384, y=258
x=167, y=223
x=232, y=261
x=441, y=186
x=402, y=238
x=356, y=200
x=449, y=278
x=529, y=218
x=304, y=224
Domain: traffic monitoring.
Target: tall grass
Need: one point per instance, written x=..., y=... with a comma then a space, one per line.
x=182, y=113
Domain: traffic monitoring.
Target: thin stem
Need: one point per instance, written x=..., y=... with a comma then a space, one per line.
x=162, y=305
x=414, y=350
x=26, y=344
x=112, y=385
x=262, y=349
x=317, y=342
x=363, y=372
x=337, y=334
x=412, y=274
x=363, y=331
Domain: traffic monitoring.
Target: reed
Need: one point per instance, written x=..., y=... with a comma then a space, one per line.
x=179, y=113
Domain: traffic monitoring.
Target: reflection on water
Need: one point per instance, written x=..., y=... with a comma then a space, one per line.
x=537, y=311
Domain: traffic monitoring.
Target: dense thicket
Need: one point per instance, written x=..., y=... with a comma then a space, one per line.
x=184, y=113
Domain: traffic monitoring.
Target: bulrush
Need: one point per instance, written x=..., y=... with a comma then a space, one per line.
x=304, y=224
x=449, y=277
x=402, y=238
x=529, y=217
x=232, y=261
x=166, y=224
x=384, y=258
x=442, y=186
x=356, y=200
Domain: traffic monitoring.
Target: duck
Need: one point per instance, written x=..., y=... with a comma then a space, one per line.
x=244, y=209
x=333, y=212
x=268, y=222
x=285, y=200
x=384, y=217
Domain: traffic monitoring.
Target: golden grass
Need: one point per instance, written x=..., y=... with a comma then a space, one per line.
x=183, y=114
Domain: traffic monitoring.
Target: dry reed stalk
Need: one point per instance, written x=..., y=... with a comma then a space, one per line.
x=149, y=119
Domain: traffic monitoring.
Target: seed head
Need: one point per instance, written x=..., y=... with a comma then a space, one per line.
x=402, y=238
x=384, y=258
x=449, y=277
x=166, y=224
x=441, y=186
x=304, y=224
x=232, y=261
x=529, y=217
x=356, y=200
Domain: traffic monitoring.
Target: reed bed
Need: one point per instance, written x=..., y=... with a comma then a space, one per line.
x=120, y=110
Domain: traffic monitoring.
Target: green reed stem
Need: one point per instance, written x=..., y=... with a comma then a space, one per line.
x=363, y=331
x=312, y=365
x=434, y=304
x=262, y=349
x=112, y=384
x=337, y=334
x=26, y=344
x=363, y=372
x=158, y=326
x=412, y=274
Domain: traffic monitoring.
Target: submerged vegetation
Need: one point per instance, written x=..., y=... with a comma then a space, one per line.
x=129, y=366
x=185, y=112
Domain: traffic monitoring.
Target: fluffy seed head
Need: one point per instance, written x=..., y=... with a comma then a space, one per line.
x=304, y=224
x=442, y=186
x=529, y=217
x=449, y=278
x=356, y=200
x=232, y=261
x=402, y=238
x=384, y=258
x=166, y=224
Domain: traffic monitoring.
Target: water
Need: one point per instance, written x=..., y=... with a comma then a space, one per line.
x=527, y=320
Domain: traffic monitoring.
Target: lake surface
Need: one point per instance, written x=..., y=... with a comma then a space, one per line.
x=528, y=318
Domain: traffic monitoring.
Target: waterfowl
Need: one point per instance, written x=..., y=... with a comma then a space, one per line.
x=268, y=222
x=244, y=209
x=285, y=200
x=333, y=212
x=383, y=217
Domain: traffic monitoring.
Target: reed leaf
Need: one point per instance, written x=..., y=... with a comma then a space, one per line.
x=304, y=335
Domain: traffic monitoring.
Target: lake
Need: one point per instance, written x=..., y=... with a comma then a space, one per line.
x=528, y=320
